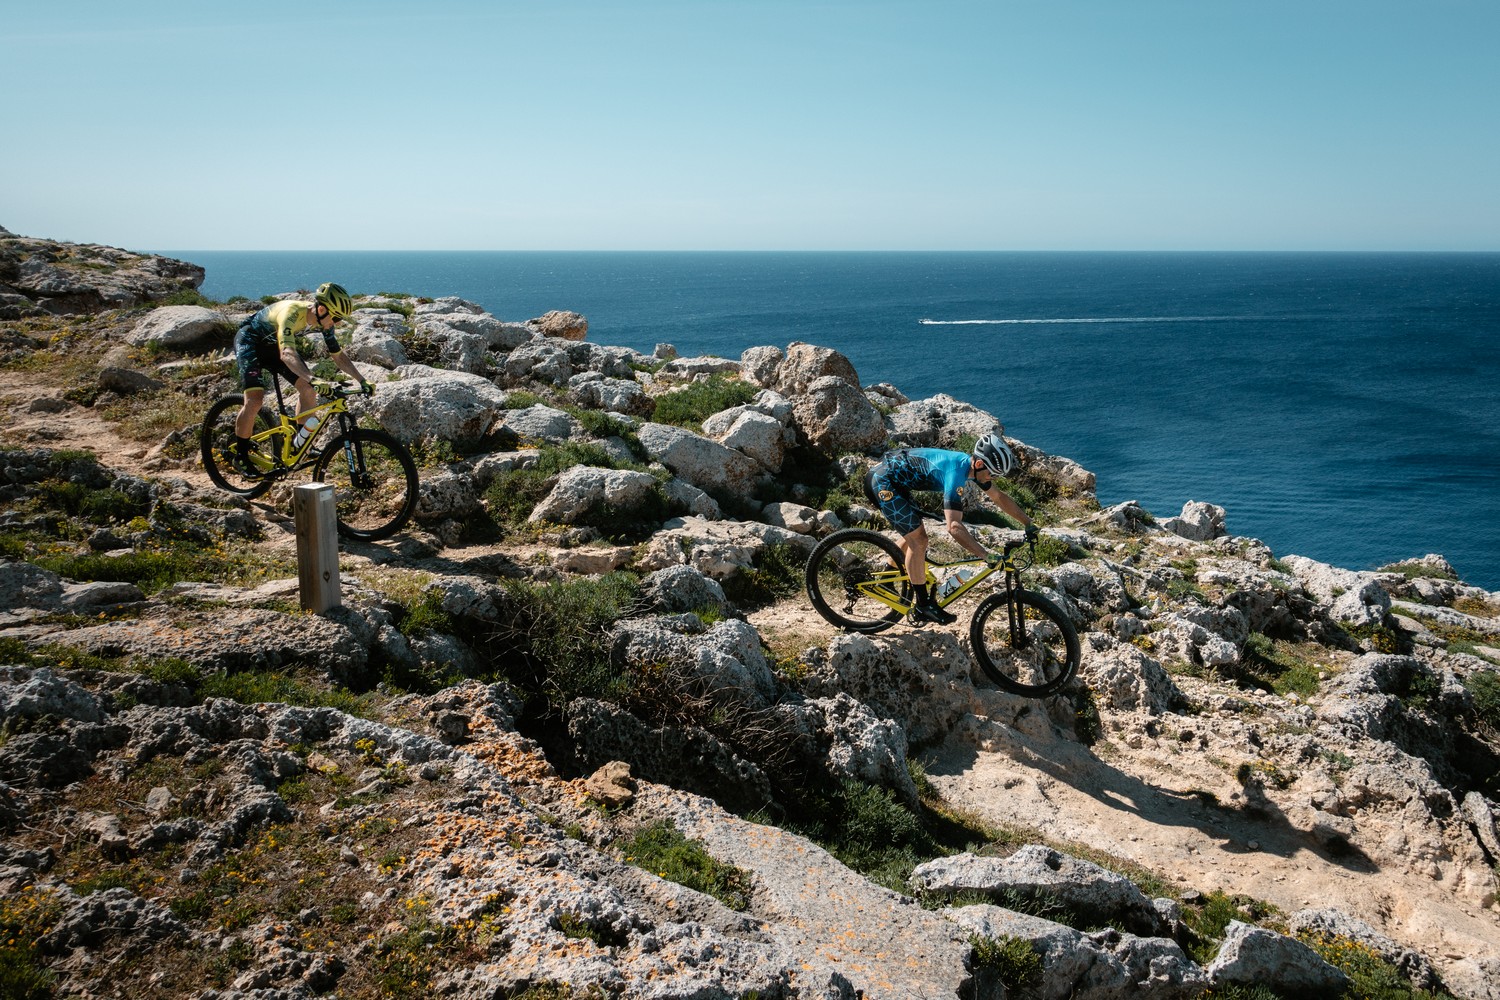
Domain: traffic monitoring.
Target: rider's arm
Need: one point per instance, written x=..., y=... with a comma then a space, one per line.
x=1005, y=503
x=347, y=366
x=954, y=521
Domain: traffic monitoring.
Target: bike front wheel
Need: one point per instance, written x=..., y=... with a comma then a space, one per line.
x=1024, y=643
x=216, y=442
x=845, y=572
x=374, y=480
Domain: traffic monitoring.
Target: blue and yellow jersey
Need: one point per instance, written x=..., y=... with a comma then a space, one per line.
x=283, y=320
x=929, y=469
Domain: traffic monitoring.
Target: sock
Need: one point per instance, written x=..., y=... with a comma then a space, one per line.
x=241, y=445
x=922, y=596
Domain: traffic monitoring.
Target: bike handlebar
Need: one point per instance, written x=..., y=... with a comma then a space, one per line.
x=343, y=390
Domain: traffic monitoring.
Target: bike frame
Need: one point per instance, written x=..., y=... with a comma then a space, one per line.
x=885, y=587
x=287, y=458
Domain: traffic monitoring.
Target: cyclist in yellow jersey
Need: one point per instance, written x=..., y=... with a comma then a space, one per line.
x=265, y=349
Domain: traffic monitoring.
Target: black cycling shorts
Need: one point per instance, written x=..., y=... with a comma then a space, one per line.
x=257, y=356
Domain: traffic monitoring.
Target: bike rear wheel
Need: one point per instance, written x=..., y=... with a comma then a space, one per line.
x=217, y=442
x=843, y=561
x=1024, y=643
x=374, y=480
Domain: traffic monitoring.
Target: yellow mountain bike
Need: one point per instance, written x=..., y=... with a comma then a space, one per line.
x=856, y=579
x=373, y=476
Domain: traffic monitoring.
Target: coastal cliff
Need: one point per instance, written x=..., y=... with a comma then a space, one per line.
x=578, y=732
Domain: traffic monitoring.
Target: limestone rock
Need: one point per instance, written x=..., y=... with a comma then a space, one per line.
x=539, y=423
x=1255, y=956
x=177, y=327
x=1037, y=870
x=427, y=404
x=560, y=324
x=1099, y=965
x=617, y=395
x=702, y=461
x=584, y=491
x=938, y=422
x=49, y=276
x=1198, y=522
x=682, y=588
x=835, y=417
x=759, y=365
x=805, y=364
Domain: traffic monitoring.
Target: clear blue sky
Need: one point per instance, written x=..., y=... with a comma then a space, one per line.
x=753, y=124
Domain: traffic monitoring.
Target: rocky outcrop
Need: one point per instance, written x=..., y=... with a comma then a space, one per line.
x=429, y=404
x=39, y=276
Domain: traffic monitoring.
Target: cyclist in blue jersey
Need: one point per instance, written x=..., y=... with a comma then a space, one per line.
x=890, y=484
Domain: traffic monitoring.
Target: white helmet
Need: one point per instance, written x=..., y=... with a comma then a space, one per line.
x=995, y=454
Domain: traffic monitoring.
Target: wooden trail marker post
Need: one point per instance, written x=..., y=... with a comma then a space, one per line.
x=317, y=547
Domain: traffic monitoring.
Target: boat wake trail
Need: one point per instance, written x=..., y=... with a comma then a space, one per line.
x=1083, y=320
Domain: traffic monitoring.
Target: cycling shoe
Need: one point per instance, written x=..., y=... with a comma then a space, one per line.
x=923, y=613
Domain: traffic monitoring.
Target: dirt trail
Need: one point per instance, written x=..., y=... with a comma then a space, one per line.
x=1154, y=804
x=35, y=415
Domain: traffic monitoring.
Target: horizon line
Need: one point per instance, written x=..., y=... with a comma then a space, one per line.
x=823, y=250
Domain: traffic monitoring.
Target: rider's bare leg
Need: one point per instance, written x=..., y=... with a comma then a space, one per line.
x=244, y=422
x=914, y=547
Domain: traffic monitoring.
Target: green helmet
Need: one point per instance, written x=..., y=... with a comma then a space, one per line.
x=335, y=300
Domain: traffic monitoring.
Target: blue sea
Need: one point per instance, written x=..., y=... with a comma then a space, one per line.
x=1341, y=406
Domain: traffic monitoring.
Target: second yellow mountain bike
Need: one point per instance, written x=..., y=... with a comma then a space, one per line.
x=1022, y=641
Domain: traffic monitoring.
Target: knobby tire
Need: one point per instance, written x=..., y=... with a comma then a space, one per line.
x=216, y=444
x=377, y=496
x=841, y=561
x=1045, y=658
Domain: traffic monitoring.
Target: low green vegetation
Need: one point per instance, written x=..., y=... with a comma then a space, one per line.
x=1209, y=917
x=1275, y=665
x=695, y=403
x=1014, y=960
x=552, y=643
x=1484, y=690
x=665, y=851
x=25, y=916
x=778, y=573
x=1416, y=570
x=287, y=689
x=1371, y=977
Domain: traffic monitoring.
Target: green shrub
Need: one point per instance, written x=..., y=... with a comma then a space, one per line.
x=553, y=640
x=1272, y=666
x=663, y=850
x=279, y=688
x=780, y=572
x=1209, y=919
x=24, y=917
x=1088, y=726
x=1013, y=959
x=522, y=399
x=1484, y=689
x=1371, y=977
x=1051, y=551
x=869, y=830
x=691, y=405
x=425, y=615
x=187, y=297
